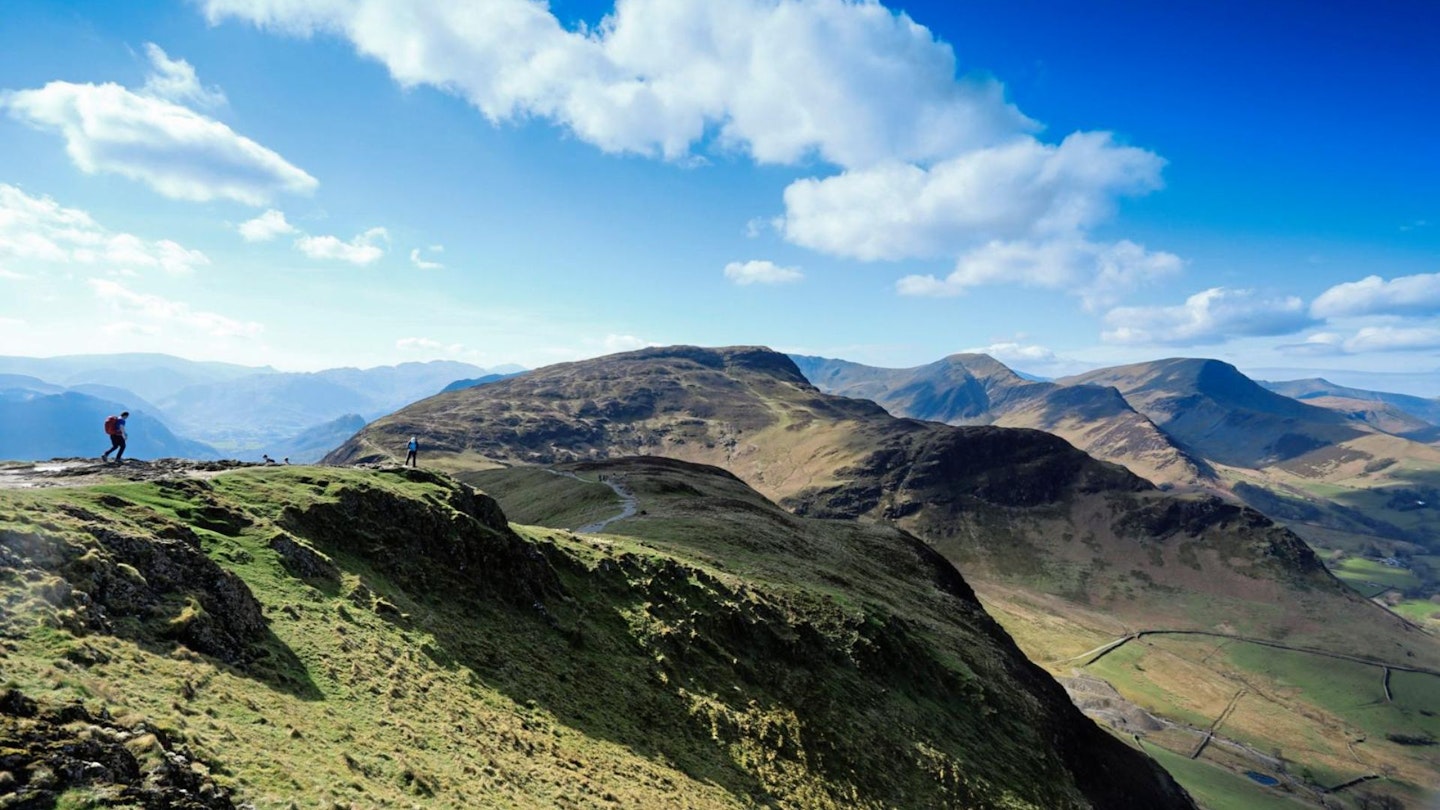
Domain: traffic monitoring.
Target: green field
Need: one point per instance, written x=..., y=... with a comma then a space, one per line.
x=1218, y=789
x=1362, y=573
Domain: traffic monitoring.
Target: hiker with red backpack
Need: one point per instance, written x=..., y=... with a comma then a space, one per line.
x=115, y=429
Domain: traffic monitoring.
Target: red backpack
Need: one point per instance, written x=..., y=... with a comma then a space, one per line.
x=112, y=425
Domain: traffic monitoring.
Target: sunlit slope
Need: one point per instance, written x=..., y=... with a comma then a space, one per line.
x=353, y=638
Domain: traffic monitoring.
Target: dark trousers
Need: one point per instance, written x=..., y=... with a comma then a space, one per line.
x=410, y=459
x=117, y=443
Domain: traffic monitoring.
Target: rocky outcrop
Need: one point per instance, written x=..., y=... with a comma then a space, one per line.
x=67, y=750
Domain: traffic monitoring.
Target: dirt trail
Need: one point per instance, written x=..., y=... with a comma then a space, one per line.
x=628, y=506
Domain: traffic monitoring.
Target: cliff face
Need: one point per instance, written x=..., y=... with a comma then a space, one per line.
x=325, y=634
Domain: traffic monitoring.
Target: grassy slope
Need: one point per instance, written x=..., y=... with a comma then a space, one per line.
x=429, y=656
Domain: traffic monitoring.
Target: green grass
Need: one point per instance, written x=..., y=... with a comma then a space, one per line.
x=1219, y=789
x=1358, y=571
x=536, y=496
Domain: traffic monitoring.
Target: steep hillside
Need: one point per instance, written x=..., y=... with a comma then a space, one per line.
x=975, y=389
x=43, y=426
x=1220, y=414
x=345, y=637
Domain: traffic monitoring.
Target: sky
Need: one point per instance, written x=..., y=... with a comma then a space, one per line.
x=316, y=183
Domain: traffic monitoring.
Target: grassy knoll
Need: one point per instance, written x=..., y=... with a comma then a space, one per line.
x=535, y=496
x=348, y=638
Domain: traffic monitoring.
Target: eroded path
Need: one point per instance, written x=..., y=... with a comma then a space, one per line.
x=628, y=506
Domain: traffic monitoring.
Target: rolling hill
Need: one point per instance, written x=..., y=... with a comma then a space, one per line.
x=975, y=389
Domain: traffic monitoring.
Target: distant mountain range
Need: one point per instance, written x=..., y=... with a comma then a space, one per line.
x=975, y=389
x=1401, y=414
x=222, y=409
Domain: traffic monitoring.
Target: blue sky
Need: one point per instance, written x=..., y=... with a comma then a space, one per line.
x=357, y=182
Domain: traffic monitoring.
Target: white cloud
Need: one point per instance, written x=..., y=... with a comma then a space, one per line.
x=1023, y=189
x=1393, y=338
x=365, y=248
x=428, y=345
x=175, y=80
x=161, y=314
x=933, y=163
x=851, y=82
x=624, y=343
x=1098, y=274
x=1373, y=295
x=1011, y=351
x=1212, y=316
x=265, y=227
x=424, y=264
x=761, y=272
x=40, y=230
x=148, y=136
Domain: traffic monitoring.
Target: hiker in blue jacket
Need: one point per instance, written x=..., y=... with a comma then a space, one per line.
x=115, y=429
x=413, y=448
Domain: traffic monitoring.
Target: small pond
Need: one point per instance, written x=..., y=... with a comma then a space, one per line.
x=1264, y=779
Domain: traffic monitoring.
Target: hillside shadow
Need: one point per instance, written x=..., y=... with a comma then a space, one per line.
x=590, y=675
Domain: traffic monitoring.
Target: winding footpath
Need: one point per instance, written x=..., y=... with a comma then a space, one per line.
x=628, y=506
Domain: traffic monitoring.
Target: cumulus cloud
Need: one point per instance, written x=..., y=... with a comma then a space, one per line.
x=160, y=314
x=1023, y=189
x=40, y=230
x=1373, y=295
x=853, y=83
x=933, y=162
x=761, y=272
x=424, y=264
x=265, y=227
x=1097, y=273
x=147, y=136
x=175, y=80
x=1212, y=316
x=366, y=248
